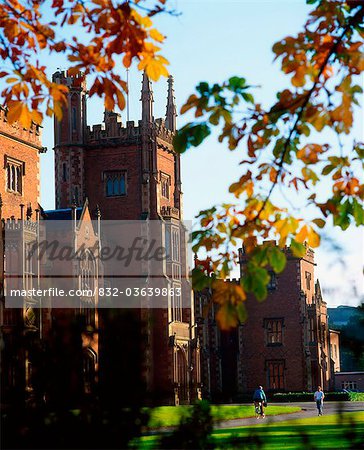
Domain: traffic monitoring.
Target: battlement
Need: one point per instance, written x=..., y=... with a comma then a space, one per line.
x=170, y=212
x=13, y=224
x=113, y=128
x=310, y=254
x=71, y=81
x=16, y=131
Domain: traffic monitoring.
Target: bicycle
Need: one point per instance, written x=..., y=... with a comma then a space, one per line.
x=258, y=406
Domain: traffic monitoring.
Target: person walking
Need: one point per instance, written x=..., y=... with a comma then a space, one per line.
x=319, y=399
x=260, y=400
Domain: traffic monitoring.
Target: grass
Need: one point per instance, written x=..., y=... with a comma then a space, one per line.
x=328, y=432
x=334, y=431
x=170, y=416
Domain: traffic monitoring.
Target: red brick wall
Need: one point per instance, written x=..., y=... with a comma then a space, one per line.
x=97, y=161
x=26, y=154
x=283, y=302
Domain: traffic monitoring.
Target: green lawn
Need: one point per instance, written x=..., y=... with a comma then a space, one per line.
x=169, y=416
x=330, y=432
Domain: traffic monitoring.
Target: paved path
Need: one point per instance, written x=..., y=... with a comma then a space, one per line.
x=307, y=410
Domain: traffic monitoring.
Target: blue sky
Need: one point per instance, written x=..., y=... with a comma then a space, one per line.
x=210, y=41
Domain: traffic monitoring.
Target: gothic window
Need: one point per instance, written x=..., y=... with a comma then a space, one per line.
x=273, y=281
x=74, y=119
x=168, y=241
x=115, y=183
x=87, y=282
x=14, y=175
x=175, y=245
x=273, y=330
x=308, y=280
x=311, y=329
x=275, y=372
x=165, y=182
x=176, y=303
x=29, y=266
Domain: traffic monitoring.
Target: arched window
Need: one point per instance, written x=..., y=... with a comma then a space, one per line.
x=74, y=118
x=109, y=188
x=13, y=178
x=8, y=177
x=14, y=175
x=122, y=185
x=116, y=186
x=87, y=283
x=165, y=183
x=115, y=182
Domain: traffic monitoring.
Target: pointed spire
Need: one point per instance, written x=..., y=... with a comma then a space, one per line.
x=147, y=100
x=171, y=113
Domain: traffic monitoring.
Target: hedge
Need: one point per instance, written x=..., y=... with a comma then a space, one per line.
x=286, y=397
x=308, y=397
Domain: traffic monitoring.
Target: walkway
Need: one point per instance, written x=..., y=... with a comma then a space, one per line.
x=307, y=410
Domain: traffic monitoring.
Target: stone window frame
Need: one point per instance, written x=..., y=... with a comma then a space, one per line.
x=165, y=185
x=273, y=327
x=312, y=330
x=349, y=384
x=175, y=237
x=109, y=175
x=176, y=304
x=14, y=173
x=308, y=280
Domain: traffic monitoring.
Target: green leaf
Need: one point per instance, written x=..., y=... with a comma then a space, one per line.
x=358, y=213
x=247, y=97
x=241, y=312
x=298, y=249
x=277, y=259
x=199, y=279
x=255, y=280
x=327, y=169
x=236, y=84
x=342, y=219
x=190, y=136
x=203, y=88
x=319, y=222
x=180, y=142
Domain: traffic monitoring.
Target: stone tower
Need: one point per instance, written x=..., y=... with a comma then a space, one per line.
x=70, y=136
x=133, y=173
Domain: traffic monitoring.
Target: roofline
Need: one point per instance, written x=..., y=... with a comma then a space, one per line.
x=22, y=141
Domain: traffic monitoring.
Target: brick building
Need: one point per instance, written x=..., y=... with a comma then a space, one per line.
x=284, y=344
x=133, y=173
x=124, y=173
x=19, y=214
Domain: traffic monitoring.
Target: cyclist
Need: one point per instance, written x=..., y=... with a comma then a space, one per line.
x=260, y=400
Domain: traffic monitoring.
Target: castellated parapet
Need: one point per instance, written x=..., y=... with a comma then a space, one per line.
x=16, y=130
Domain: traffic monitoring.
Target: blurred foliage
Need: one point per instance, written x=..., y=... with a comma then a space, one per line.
x=280, y=147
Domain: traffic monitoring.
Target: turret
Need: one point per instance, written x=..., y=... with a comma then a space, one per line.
x=147, y=100
x=171, y=113
x=71, y=129
x=70, y=133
